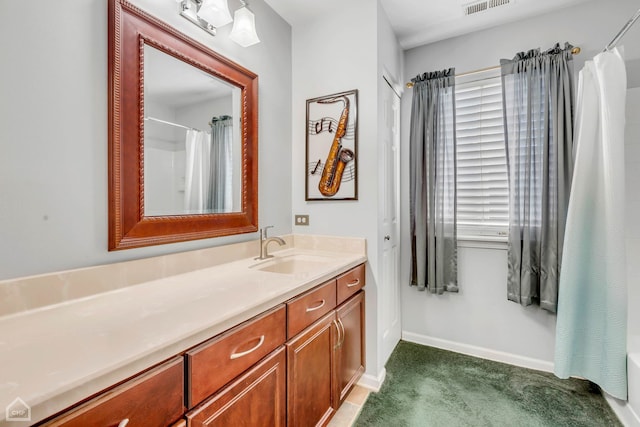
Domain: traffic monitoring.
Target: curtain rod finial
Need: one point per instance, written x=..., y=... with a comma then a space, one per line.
x=576, y=50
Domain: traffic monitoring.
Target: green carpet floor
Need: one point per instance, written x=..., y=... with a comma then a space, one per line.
x=426, y=386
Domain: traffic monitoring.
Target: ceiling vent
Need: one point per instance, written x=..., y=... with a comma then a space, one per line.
x=481, y=6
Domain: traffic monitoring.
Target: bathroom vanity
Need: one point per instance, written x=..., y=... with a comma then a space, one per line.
x=273, y=342
x=291, y=365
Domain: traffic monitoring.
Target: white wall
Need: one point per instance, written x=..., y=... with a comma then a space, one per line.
x=199, y=115
x=479, y=319
x=632, y=171
x=332, y=54
x=390, y=55
x=53, y=130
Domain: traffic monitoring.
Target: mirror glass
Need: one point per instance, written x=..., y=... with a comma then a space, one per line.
x=192, y=143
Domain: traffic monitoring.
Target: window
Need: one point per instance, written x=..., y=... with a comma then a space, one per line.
x=483, y=193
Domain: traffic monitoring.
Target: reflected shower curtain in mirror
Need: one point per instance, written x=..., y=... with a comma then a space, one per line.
x=221, y=164
x=538, y=118
x=433, y=183
x=197, y=182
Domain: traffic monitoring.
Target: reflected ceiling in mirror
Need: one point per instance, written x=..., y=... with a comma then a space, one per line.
x=192, y=139
x=157, y=76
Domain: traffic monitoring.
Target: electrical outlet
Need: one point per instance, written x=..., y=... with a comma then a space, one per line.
x=302, y=220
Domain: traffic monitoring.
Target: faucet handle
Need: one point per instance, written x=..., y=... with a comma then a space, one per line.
x=263, y=231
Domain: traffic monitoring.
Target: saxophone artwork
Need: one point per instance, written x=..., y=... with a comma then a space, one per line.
x=331, y=172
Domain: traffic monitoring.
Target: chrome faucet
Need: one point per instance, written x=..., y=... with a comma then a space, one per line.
x=264, y=242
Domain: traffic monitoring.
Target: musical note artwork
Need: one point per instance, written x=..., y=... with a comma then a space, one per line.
x=328, y=124
x=332, y=140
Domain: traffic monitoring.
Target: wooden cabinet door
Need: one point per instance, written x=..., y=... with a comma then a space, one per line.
x=310, y=382
x=350, y=350
x=256, y=399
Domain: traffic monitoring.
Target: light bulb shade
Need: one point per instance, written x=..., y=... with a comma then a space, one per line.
x=244, y=28
x=215, y=12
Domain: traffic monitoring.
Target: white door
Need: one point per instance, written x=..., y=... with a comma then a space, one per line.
x=389, y=230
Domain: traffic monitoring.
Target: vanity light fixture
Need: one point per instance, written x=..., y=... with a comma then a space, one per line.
x=190, y=9
x=215, y=12
x=244, y=27
x=212, y=14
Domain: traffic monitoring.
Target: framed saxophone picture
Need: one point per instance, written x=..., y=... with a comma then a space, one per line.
x=332, y=147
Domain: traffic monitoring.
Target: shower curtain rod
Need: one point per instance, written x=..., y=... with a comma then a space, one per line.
x=153, y=119
x=623, y=31
x=575, y=51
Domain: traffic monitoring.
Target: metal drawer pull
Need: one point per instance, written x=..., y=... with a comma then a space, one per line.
x=124, y=422
x=354, y=283
x=244, y=353
x=338, y=343
x=316, y=307
x=344, y=333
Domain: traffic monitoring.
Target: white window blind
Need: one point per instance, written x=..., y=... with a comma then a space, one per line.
x=483, y=193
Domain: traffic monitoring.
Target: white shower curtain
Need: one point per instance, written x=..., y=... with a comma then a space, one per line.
x=591, y=327
x=197, y=185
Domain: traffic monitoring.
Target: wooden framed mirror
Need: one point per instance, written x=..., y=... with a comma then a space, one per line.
x=183, y=136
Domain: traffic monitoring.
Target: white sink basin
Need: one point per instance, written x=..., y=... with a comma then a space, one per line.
x=293, y=264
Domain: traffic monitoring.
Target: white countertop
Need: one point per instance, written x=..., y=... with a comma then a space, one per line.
x=57, y=355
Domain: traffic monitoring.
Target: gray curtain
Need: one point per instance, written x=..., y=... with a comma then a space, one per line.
x=538, y=117
x=221, y=164
x=433, y=183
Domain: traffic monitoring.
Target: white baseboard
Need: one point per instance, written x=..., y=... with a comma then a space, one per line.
x=481, y=352
x=623, y=411
x=371, y=382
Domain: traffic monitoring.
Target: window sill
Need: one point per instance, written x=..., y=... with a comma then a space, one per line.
x=483, y=242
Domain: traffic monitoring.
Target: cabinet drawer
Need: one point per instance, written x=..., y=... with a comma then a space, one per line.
x=350, y=283
x=152, y=398
x=309, y=307
x=214, y=363
x=256, y=398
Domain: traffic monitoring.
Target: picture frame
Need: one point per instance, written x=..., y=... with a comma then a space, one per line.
x=331, y=161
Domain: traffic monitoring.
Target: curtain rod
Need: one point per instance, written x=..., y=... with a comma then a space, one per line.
x=623, y=31
x=574, y=51
x=153, y=119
